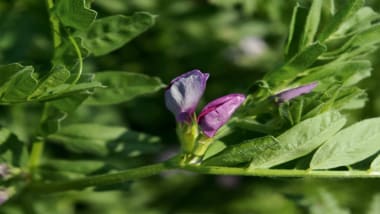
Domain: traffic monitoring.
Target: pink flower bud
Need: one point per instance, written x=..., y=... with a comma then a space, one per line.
x=294, y=92
x=216, y=113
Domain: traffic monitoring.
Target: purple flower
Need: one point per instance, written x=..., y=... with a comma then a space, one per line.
x=184, y=93
x=216, y=113
x=295, y=92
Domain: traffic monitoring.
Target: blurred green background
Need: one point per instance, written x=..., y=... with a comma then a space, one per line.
x=236, y=41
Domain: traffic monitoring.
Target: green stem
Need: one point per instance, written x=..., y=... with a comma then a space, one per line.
x=213, y=170
x=54, y=24
x=146, y=171
x=100, y=180
x=35, y=155
x=80, y=58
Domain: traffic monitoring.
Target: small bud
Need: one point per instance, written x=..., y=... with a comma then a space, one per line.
x=216, y=113
x=294, y=92
x=184, y=93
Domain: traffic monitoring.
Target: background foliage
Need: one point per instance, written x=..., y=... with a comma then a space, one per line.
x=237, y=42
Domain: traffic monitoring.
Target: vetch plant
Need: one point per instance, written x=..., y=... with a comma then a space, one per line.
x=182, y=98
x=292, y=122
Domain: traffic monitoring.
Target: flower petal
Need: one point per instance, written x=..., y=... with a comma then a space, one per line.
x=295, y=92
x=215, y=114
x=184, y=93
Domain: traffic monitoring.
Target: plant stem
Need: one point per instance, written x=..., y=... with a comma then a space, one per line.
x=100, y=180
x=54, y=24
x=146, y=171
x=214, y=170
x=37, y=149
x=80, y=58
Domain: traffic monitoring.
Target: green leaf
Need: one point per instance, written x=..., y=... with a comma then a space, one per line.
x=102, y=140
x=368, y=37
x=73, y=13
x=214, y=149
x=66, y=90
x=244, y=152
x=342, y=15
x=312, y=23
x=254, y=126
x=375, y=164
x=57, y=76
x=51, y=120
x=122, y=86
x=300, y=140
x=7, y=71
x=362, y=19
x=349, y=146
x=295, y=66
x=348, y=73
x=19, y=86
x=297, y=25
x=108, y=34
x=12, y=150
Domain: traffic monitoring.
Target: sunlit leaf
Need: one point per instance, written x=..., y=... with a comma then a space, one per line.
x=244, y=152
x=349, y=146
x=300, y=140
x=375, y=164
x=350, y=7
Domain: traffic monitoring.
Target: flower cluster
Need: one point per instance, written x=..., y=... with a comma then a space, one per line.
x=183, y=95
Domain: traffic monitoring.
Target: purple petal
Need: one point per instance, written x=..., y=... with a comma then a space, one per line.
x=295, y=92
x=184, y=93
x=215, y=114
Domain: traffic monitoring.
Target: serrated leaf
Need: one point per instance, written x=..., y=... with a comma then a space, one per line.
x=349, y=146
x=19, y=86
x=244, y=152
x=312, y=23
x=102, y=140
x=301, y=139
x=74, y=13
x=57, y=76
x=7, y=71
x=122, y=86
x=338, y=19
x=108, y=34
